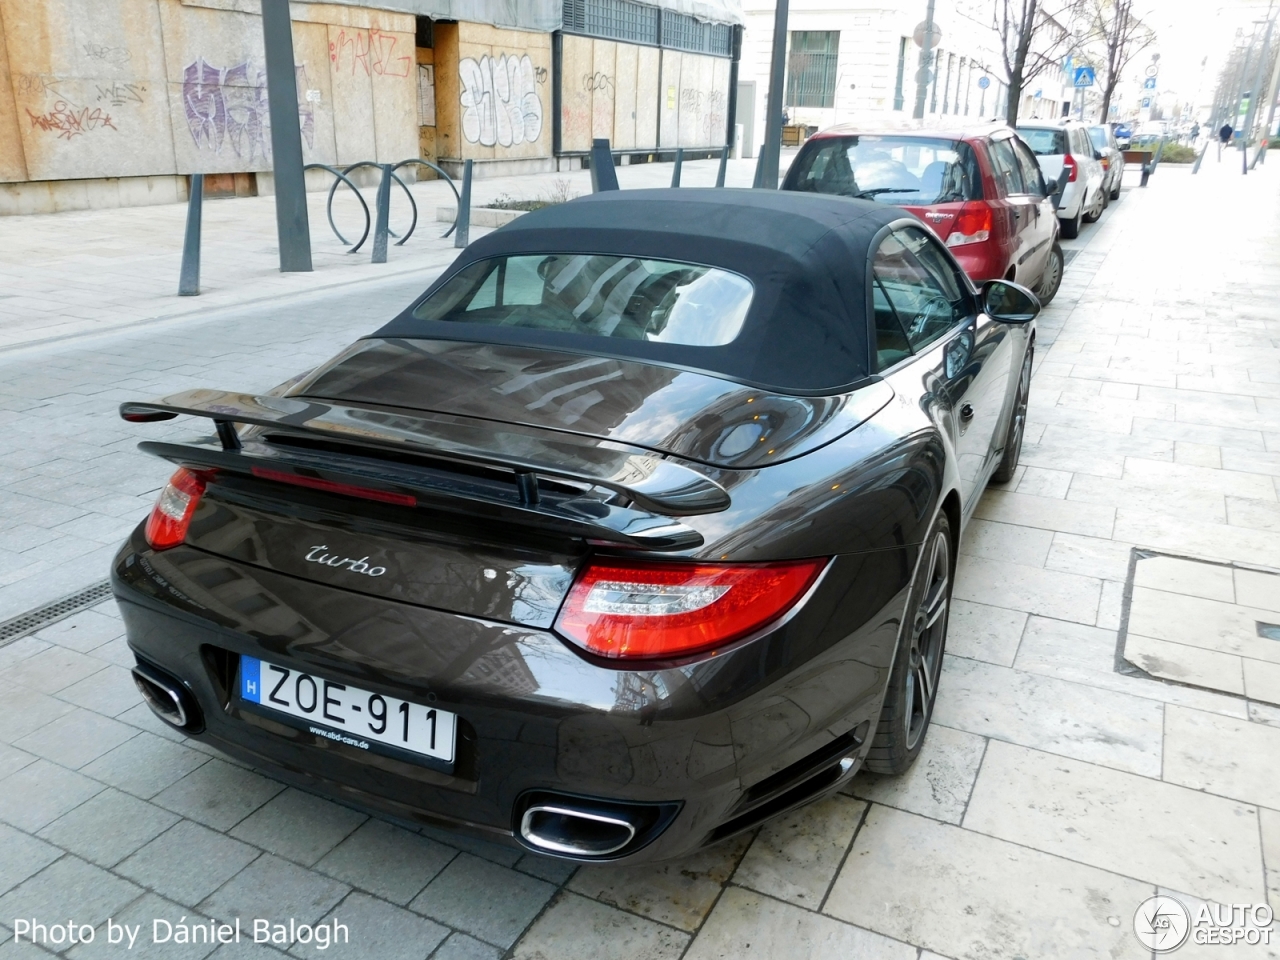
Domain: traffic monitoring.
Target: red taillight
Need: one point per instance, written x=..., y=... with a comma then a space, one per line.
x=331, y=486
x=1106, y=164
x=170, y=517
x=644, y=610
x=1069, y=162
x=973, y=224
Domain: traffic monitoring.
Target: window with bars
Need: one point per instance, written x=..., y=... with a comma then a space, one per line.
x=641, y=23
x=811, y=68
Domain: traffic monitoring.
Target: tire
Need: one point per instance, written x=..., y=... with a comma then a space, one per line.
x=1051, y=277
x=1071, y=228
x=1095, y=212
x=917, y=665
x=1115, y=194
x=1017, y=422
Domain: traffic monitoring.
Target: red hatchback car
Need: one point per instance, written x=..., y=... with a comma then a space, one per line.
x=981, y=192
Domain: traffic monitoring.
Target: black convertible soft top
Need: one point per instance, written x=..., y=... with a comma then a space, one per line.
x=805, y=254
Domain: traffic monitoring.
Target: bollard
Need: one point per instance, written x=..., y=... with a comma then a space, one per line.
x=462, y=235
x=675, y=173
x=724, y=162
x=382, y=224
x=189, y=278
x=1200, y=159
x=603, y=174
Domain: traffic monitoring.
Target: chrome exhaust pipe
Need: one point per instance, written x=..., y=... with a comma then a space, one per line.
x=164, y=695
x=575, y=832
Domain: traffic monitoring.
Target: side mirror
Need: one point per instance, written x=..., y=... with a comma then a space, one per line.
x=1009, y=302
x=1060, y=186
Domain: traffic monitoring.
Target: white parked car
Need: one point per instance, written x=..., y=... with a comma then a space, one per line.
x=1067, y=145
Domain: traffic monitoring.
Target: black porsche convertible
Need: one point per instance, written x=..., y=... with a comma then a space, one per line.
x=636, y=529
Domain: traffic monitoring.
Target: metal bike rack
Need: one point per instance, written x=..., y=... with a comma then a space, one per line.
x=384, y=196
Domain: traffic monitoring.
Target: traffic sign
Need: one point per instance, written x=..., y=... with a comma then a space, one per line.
x=935, y=34
x=1149, y=83
x=924, y=76
x=1146, y=102
x=1152, y=70
x=1084, y=77
x=984, y=82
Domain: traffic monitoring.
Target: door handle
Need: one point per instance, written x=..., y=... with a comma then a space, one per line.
x=966, y=412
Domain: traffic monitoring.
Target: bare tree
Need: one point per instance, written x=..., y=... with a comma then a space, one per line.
x=1033, y=39
x=1119, y=37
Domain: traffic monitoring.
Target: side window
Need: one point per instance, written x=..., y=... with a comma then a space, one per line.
x=1006, y=167
x=927, y=304
x=891, y=340
x=1031, y=176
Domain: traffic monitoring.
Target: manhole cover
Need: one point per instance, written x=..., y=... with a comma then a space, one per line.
x=1211, y=625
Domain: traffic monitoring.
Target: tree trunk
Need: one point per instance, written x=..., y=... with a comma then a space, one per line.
x=1014, y=100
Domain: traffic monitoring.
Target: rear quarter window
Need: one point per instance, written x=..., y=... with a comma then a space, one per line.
x=1044, y=143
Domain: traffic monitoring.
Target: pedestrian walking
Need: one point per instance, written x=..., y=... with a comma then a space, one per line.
x=1224, y=137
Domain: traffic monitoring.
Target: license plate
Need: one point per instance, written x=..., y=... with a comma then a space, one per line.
x=347, y=714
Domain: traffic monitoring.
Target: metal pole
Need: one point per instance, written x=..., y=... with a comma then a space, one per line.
x=675, y=171
x=462, y=235
x=603, y=174
x=767, y=170
x=926, y=61
x=382, y=225
x=724, y=162
x=1253, y=100
x=189, y=278
x=292, y=227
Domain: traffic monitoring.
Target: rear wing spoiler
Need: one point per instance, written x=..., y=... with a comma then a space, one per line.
x=650, y=489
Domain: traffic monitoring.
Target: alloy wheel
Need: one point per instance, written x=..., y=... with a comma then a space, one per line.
x=928, y=634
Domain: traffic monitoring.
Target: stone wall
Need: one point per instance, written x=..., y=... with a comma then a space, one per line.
x=143, y=88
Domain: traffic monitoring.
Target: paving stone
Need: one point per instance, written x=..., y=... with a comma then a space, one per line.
x=52, y=670
x=83, y=632
x=1157, y=832
x=276, y=890
x=69, y=884
x=1257, y=589
x=188, y=863
x=461, y=947
x=1089, y=556
x=678, y=893
x=1184, y=664
x=145, y=765
x=574, y=927
x=1047, y=513
x=158, y=941
x=978, y=631
x=1187, y=577
x=546, y=868
x=937, y=785
x=109, y=692
x=1195, y=756
x=377, y=931
x=1063, y=596
x=496, y=852
x=298, y=826
x=1006, y=541
x=12, y=759
x=40, y=793
x=1040, y=482
x=963, y=894
x=1262, y=680
x=746, y=924
x=1270, y=823
x=21, y=856
x=1196, y=622
x=1058, y=716
x=218, y=794
x=795, y=857
x=23, y=710
x=483, y=899
x=387, y=861
x=108, y=827
x=76, y=738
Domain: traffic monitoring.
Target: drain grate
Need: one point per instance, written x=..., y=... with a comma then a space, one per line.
x=41, y=617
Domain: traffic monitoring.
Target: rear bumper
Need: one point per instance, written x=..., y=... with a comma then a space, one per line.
x=981, y=261
x=720, y=744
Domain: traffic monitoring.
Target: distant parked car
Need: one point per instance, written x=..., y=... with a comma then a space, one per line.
x=1111, y=157
x=1066, y=146
x=981, y=191
x=1123, y=133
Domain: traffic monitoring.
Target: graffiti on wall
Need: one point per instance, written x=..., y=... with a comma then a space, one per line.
x=69, y=122
x=68, y=109
x=370, y=51
x=500, y=101
x=709, y=109
x=226, y=107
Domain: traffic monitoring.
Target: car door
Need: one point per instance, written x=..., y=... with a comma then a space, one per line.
x=1041, y=225
x=1008, y=206
x=1091, y=169
x=961, y=355
x=1028, y=258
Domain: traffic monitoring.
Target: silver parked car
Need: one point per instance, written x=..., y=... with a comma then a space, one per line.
x=1066, y=145
x=1110, y=156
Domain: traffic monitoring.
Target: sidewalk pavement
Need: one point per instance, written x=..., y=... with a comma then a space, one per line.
x=1055, y=792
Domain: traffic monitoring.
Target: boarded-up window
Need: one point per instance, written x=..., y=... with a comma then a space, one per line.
x=811, y=68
